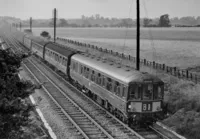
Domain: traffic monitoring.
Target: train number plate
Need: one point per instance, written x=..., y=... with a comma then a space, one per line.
x=146, y=106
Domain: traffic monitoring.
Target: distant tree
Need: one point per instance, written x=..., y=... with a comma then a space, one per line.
x=45, y=34
x=127, y=22
x=146, y=22
x=188, y=20
x=51, y=22
x=63, y=23
x=164, y=21
x=97, y=16
x=83, y=17
x=198, y=20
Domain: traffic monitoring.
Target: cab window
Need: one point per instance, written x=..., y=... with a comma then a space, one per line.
x=124, y=91
x=134, y=92
x=147, y=91
x=158, y=91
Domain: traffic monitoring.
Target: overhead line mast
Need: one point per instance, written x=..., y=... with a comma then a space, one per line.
x=138, y=36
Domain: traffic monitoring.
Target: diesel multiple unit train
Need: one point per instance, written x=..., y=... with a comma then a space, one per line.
x=133, y=96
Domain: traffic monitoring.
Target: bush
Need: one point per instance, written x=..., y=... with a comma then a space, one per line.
x=184, y=105
x=45, y=34
x=14, y=111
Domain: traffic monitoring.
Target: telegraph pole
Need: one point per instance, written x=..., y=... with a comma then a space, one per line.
x=138, y=36
x=55, y=14
x=31, y=24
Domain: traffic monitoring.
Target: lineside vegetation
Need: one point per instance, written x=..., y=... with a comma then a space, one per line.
x=14, y=110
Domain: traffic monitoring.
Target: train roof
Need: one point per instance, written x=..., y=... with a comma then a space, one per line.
x=122, y=74
x=61, y=50
x=36, y=39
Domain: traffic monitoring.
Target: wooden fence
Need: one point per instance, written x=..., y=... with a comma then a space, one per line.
x=175, y=71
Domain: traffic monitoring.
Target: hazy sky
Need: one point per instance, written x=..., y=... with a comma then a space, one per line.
x=108, y=8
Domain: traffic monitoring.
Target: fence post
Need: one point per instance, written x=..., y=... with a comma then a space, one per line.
x=178, y=74
x=170, y=70
x=191, y=76
x=122, y=55
x=187, y=74
x=167, y=68
x=182, y=73
x=196, y=79
x=106, y=50
x=153, y=64
x=145, y=61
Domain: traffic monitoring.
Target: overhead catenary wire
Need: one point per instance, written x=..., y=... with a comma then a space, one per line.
x=154, y=56
x=126, y=31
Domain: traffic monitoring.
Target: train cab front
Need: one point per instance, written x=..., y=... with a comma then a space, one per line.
x=144, y=103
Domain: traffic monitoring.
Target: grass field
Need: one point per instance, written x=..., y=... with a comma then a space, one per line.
x=173, y=46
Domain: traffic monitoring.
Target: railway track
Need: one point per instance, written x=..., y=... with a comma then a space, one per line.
x=129, y=133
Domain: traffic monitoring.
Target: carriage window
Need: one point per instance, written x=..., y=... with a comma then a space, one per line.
x=109, y=84
x=82, y=69
x=93, y=75
x=103, y=81
x=147, y=91
x=117, y=88
x=99, y=79
x=87, y=72
x=60, y=59
x=124, y=90
x=63, y=61
x=76, y=66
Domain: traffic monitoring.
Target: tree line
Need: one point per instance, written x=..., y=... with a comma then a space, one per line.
x=100, y=21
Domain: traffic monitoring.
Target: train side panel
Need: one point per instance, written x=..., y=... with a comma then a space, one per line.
x=104, y=94
x=59, y=57
x=37, y=48
x=27, y=42
x=57, y=61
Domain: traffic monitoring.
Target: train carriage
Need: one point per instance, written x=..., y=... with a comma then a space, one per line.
x=37, y=45
x=58, y=56
x=129, y=94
